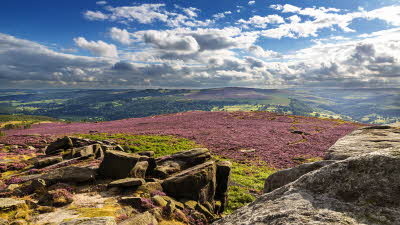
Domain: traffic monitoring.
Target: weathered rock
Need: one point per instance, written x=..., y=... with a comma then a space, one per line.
x=150, y=187
x=146, y=153
x=127, y=182
x=180, y=161
x=178, y=204
x=196, y=183
x=107, y=220
x=158, y=200
x=57, y=198
x=145, y=218
x=43, y=162
x=85, y=151
x=117, y=165
x=358, y=190
x=69, y=174
x=283, y=177
x=139, y=170
x=222, y=179
x=167, y=168
x=7, y=204
x=3, y=221
x=203, y=210
x=59, y=145
x=80, y=142
x=364, y=140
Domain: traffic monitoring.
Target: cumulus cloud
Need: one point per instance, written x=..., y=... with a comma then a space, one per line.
x=251, y=2
x=262, y=21
x=120, y=35
x=95, y=15
x=99, y=48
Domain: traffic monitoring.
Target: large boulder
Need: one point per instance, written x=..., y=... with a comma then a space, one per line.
x=107, y=220
x=139, y=170
x=364, y=140
x=196, y=183
x=59, y=145
x=117, y=164
x=222, y=179
x=358, y=190
x=283, y=177
x=74, y=174
x=180, y=161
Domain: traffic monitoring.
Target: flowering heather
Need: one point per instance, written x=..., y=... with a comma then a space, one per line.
x=156, y=192
x=224, y=133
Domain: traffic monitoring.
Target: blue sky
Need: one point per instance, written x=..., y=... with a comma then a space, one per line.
x=199, y=43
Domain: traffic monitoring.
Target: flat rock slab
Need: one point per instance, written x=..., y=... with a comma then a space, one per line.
x=127, y=182
x=107, y=220
x=70, y=174
x=363, y=141
x=10, y=204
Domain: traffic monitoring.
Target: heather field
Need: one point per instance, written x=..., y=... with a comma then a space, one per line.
x=280, y=141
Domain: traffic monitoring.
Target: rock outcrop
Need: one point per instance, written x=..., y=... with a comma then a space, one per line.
x=365, y=140
x=85, y=177
x=361, y=189
x=283, y=177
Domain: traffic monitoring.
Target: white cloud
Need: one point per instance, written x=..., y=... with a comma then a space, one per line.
x=120, y=35
x=91, y=15
x=251, y=2
x=262, y=22
x=191, y=11
x=99, y=48
x=390, y=14
x=260, y=52
x=101, y=2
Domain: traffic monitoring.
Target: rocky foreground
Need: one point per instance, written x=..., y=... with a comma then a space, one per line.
x=358, y=183
x=80, y=181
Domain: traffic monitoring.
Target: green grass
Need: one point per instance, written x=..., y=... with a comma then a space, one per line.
x=161, y=145
x=247, y=182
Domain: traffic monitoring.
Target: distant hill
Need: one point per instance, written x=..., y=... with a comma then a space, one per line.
x=378, y=106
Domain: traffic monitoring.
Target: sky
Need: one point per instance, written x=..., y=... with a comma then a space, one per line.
x=199, y=43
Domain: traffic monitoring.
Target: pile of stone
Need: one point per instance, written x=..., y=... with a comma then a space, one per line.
x=188, y=186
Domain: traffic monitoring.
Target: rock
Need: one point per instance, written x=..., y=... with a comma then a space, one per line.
x=146, y=153
x=150, y=187
x=203, y=210
x=7, y=204
x=158, y=200
x=190, y=204
x=69, y=174
x=139, y=170
x=187, y=158
x=59, y=145
x=180, y=161
x=117, y=165
x=19, y=222
x=135, y=202
x=127, y=182
x=364, y=140
x=57, y=198
x=85, y=151
x=197, y=183
x=43, y=162
x=359, y=190
x=178, y=204
x=222, y=179
x=283, y=177
x=167, y=168
x=145, y=218
x=80, y=142
x=31, y=148
x=107, y=220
